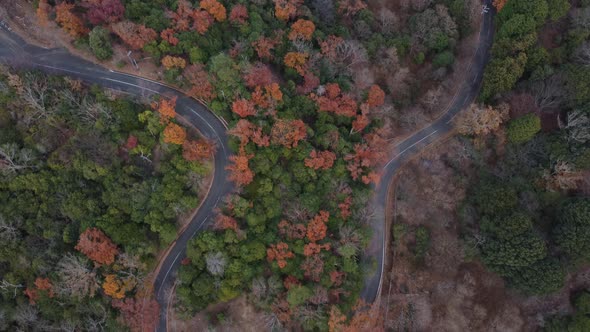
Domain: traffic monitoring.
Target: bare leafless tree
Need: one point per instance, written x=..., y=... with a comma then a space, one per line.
x=388, y=21
x=549, y=93
x=216, y=263
x=581, y=17
x=582, y=54
x=350, y=53
x=76, y=279
x=578, y=125
x=14, y=159
x=6, y=286
x=8, y=230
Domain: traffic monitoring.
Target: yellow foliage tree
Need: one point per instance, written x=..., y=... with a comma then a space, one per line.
x=170, y=62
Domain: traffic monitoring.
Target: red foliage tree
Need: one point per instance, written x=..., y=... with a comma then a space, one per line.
x=97, y=246
x=240, y=173
x=215, y=8
x=329, y=46
x=197, y=150
x=337, y=277
x=302, y=29
x=32, y=294
x=288, y=132
x=335, y=102
x=238, y=14
x=201, y=87
x=349, y=8
x=71, y=23
x=376, y=96
x=243, y=108
x=312, y=267
x=310, y=82
x=223, y=222
x=168, y=35
x=258, y=75
x=291, y=281
x=320, y=160
x=313, y=248
x=499, y=4
x=134, y=35
x=105, y=11
x=202, y=21
x=291, y=231
x=345, y=207
x=279, y=252
x=246, y=131
x=139, y=314
x=317, y=228
x=181, y=17
x=362, y=120
x=263, y=47
x=131, y=142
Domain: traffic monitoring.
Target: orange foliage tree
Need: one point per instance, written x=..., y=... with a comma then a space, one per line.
x=285, y=9
x=166, y=108
x=71, y=23
x=43, y=12
x=320, y=160
x=376, y=96
x=243, y=108
x=302, y=29
x=316, y=228
x=287, y=132
x=214, y=8
x=268, y=98
x=240, y=172
x=170, y=62
x=174, y=134
x=113, y=287
x=41, y=284
x=97, y=246
x=296, y=61
x=134, y=35
x=499, y=4
x=335, y=102
x=238, y=14
x=279, y=252
x=197, y=150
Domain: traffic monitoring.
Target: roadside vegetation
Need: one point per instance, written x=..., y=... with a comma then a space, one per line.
x=312, y=91
x=91, y=189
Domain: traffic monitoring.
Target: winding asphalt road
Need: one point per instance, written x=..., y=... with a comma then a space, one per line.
x=14, y=50
x=468, y=91
x=17, y=52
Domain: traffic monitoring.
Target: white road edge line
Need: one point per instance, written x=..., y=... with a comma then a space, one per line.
x=409, y=147
x=167, y=272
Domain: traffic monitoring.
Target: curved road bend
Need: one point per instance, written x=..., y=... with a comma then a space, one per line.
x=15, y=50
x=376, y=250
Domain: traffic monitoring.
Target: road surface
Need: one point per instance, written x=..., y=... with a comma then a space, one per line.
x=413, y=145
x=16, y=51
